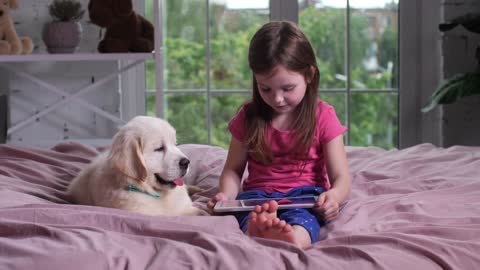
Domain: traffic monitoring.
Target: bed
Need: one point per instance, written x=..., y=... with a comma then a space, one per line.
x=416, y=208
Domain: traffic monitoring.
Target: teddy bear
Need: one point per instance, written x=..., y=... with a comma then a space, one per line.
x=126, y=31
x=10, y=42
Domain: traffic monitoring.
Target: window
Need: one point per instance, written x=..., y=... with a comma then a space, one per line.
x=356, y=47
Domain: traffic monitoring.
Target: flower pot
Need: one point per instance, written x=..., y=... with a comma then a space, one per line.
x=62, y=37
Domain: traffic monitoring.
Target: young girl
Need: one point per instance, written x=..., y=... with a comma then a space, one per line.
x=291, y=141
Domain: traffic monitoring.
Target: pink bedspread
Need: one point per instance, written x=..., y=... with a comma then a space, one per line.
x=417, y=208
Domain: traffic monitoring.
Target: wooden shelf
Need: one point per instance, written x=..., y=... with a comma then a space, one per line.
x=77, y=57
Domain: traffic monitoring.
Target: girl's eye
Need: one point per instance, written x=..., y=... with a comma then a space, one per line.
x=265, y=90
x=288, y=88
x=160, y=149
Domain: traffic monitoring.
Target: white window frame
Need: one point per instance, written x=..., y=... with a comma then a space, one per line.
x=419, y=72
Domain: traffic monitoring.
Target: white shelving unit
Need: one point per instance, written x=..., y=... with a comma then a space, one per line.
x=123, y=67
x=77, y=57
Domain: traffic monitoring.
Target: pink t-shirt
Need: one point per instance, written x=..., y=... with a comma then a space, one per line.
x=285, y=172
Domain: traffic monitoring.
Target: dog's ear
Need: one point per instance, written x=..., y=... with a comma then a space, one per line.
x=13, y=4
x=123, y=7
x=126, y=155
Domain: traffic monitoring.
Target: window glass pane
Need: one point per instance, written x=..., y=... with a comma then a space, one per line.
x=184, y=46
x=150, y=64
x=374, y=44
x=224, y=107
x=374, y=119
x=324, y=25
x=337, y=100
x=187, y=113
x=150, y=103
x=149, y=11
x=150, y=74
x=184, y=53
x=232, y=25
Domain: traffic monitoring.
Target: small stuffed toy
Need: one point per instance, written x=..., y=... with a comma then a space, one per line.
x=126, y=31
x=10, y=42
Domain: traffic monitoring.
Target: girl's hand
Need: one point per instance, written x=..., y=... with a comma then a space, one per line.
x=328, y=205
x=218, y=197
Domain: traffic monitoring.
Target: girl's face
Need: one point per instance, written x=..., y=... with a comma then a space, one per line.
x=282, y=89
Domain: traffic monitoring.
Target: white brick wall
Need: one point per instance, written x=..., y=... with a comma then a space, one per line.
x=461, y=120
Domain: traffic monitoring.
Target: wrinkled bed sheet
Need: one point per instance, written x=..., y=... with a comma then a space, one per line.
x=417, y=208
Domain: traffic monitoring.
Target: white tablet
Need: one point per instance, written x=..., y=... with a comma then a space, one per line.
x=249, y=205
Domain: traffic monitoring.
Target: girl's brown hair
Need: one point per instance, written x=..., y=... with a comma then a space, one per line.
x=274, y=44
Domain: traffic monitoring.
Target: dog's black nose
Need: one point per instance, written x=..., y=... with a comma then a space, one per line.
x=1, y=12
x=184, y=163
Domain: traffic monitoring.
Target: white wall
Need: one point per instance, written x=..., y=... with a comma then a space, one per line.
x=420, y=73
x=461, y=120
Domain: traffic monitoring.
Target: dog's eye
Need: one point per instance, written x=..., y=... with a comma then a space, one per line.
x=160, y=149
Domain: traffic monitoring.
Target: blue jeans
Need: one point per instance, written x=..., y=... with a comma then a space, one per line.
x=306, y=218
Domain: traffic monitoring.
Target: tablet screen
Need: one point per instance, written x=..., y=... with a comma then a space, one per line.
x=230, y=203
x=282, y=201
x=248, y=205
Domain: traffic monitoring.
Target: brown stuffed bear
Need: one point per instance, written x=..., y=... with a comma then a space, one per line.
x=126, y=30
x=10, y=42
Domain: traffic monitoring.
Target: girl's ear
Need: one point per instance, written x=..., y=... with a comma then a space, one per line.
x=310, y=74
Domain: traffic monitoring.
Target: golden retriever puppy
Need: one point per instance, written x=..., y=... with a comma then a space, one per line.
x=141, y=172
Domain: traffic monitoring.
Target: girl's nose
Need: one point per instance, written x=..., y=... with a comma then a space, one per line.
x=278, y=98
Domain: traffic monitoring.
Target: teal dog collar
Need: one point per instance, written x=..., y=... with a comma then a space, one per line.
x=136, y=189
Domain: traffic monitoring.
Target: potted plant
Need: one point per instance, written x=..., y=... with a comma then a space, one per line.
x=63, y=34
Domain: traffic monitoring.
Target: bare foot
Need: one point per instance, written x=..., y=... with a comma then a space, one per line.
x=261, y=217
x=264, y=223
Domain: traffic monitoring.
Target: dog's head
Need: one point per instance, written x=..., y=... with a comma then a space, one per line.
x=106, y=13
x=145, y=150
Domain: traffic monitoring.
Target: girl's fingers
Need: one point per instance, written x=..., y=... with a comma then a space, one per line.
x=321, y=200
x=218, y=197
x=331, y=217
x=211, y=203
x=323, y=208
x=330, y=213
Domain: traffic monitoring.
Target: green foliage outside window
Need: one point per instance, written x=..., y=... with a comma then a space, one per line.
x=373, y=115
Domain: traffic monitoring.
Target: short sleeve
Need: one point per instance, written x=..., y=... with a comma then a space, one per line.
x=236, y=126
x=329, y=126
